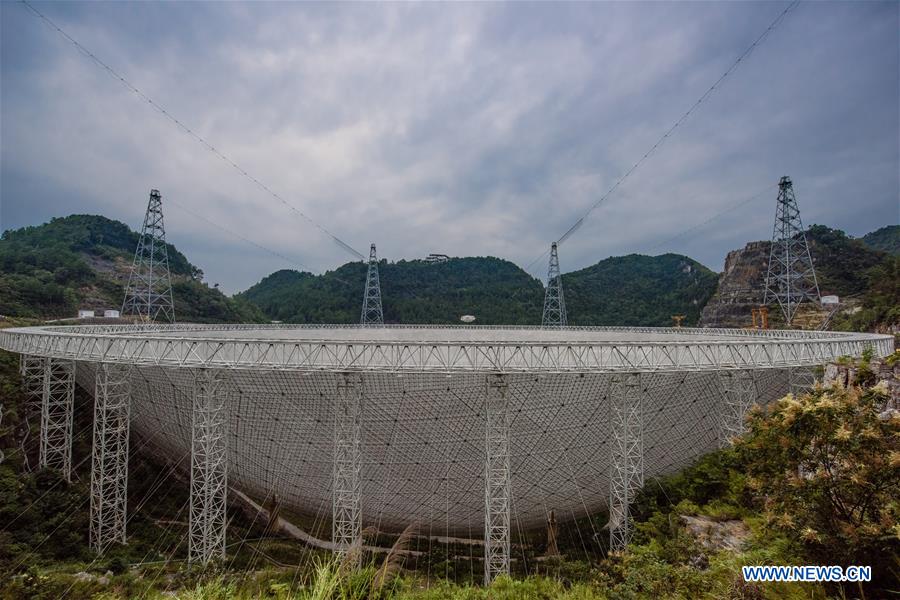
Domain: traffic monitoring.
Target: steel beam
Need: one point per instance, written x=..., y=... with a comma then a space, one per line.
x=109, y=465
x=626, y=402
x=497, y=479
x=532, y=350
x=738, y=396
x=346, y=523
x=57, y=405
x=209, y=468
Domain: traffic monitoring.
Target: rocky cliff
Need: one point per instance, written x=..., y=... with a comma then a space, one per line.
x=741, y=287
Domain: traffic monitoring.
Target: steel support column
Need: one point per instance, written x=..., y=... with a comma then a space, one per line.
x=626, y=401
x=57, y=405
x=738, y=396
x=346, y=522
x=209, y=468
x=801, y=379
x=109, y=464
x=31, y=368
x=497, y=479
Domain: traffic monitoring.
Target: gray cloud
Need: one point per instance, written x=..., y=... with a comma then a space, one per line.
x=456, y=128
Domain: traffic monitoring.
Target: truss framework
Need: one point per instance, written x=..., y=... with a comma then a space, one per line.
x=801, y=379
x=626, y=420
x=791, y=277
x=497, y=479
x=372, y=314
x=109, y=466
x=346, y=524
x=57, y=407
x=209, y=468
x=738, y=396
x=148, y=294
x=187, y=346
x=31, y=369
x=554, y=302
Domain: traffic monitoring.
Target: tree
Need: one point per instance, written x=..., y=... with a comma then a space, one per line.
x=826, y=468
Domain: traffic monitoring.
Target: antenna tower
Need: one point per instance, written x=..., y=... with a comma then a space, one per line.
x=149, y=291
x=554, y=303
x=791, y=278
x=371, y=309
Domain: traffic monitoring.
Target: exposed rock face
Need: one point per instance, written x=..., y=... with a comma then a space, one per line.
x=717, y=535
x=741, y=287
x=884, y=374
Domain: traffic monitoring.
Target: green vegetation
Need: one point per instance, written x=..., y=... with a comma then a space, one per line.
x=631, y=290
x=82, y=260
x=886, y=239
x=841, y=262
x=494, y=290
x=638, y=290
x=881, y=303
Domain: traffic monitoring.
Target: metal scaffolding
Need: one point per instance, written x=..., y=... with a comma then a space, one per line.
x=31, y=369
x=738, y=396
x=149, y=291
x=346, y=524
x=497, y=479
x=790, y=278
x=209, y=468
x=801, y=379
x=57, y=406
x=626, y=402
x=109, y=465
x=371, y=309
x=554, y=302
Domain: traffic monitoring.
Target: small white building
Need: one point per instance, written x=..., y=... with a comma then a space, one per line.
x=830, y=300
x=111, y=314
x=85, y=314
x=467, y=318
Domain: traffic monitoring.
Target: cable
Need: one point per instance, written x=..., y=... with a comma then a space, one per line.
x=292, y=261
x=162, y=110
x=671, y=129
x=714, y=217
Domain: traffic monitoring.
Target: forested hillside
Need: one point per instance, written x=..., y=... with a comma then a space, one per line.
x=638, y=290
x=495, y=291
x=886, y=239
x=82, y=261
x=630, y=290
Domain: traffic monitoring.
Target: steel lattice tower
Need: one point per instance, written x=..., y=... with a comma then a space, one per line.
x=149, y=291
x=209, y=468
x=739, y=395
x=31, y=368
x=109, y=465
x=790, y=278
x=346, y=524
x=371, y=309
x=554, y=303
x=626, y=402
x=57, y=407
x=497, y=498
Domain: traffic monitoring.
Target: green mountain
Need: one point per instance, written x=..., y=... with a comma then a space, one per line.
x=842, y=263
x=630, y=290
x=83, y=261
x=886, y=239
x=495, y=291
x=638, y=290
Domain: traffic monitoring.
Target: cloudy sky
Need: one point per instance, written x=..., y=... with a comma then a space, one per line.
x=465, y=129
